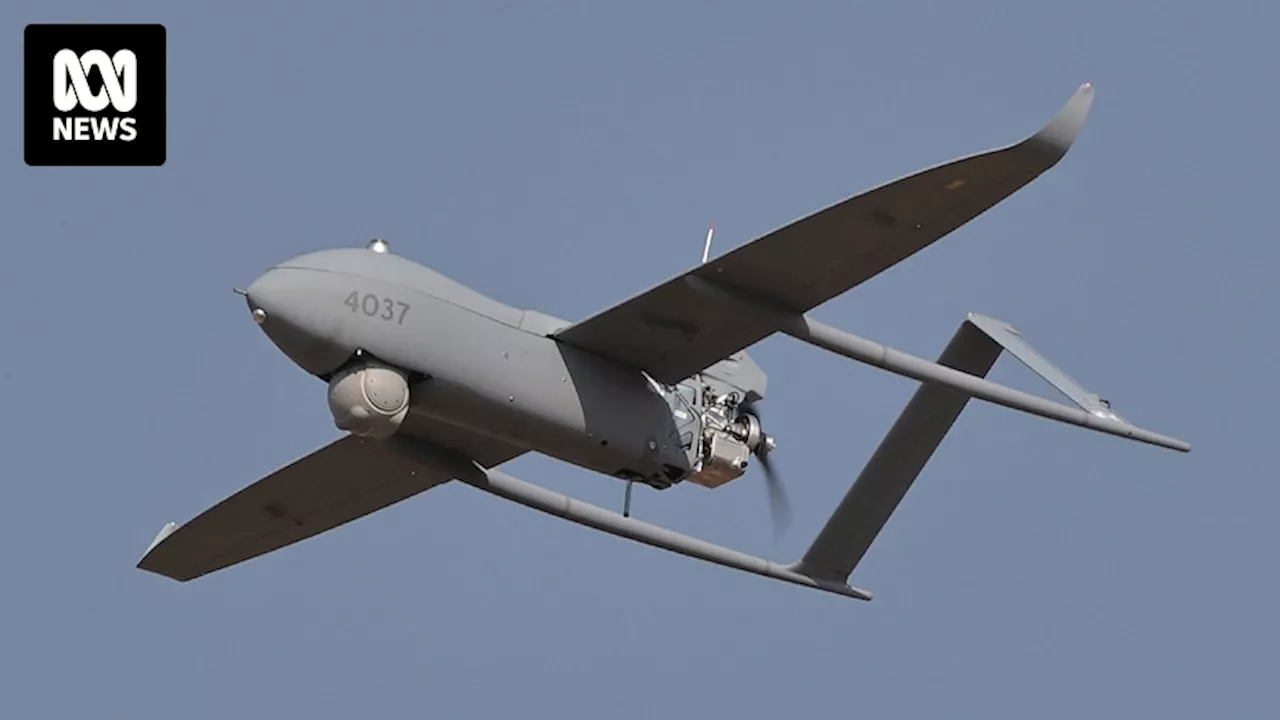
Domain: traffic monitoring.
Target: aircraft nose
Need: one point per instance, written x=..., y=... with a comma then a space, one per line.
x=265, y=289
x=290, y=304
x=261, y=293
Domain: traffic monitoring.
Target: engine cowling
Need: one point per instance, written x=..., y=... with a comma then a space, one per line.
x=369, y=399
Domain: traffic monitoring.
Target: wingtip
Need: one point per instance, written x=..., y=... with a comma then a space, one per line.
x=1056, y=138
x=165, y=531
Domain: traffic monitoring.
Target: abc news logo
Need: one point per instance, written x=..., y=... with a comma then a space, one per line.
x=108, y=101
x=71, y=89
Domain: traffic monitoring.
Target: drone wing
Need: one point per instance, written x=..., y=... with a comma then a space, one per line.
x=343, y=481
x=353, y=477
x=673, y=331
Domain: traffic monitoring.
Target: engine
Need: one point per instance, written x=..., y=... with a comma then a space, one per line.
x=729, y=438
x=369, y=399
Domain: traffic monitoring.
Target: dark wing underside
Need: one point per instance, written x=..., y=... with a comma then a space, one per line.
x=673, y=330
x=343, y=481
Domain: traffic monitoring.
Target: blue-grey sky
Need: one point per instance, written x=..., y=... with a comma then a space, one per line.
x=563, y=156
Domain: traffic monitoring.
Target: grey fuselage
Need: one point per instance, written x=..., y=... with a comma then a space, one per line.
x=479, y=364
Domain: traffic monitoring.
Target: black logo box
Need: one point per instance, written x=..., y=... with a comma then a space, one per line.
x=42, y=42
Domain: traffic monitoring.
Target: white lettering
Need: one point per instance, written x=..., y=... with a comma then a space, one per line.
x=95, y=128
x=105, y=127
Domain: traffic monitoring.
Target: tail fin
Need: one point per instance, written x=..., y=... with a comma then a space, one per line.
x=884, y=481
x=919, y=430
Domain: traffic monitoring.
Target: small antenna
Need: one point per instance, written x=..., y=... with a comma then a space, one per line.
x=706, y=249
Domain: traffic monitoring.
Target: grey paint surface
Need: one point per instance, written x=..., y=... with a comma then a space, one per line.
x=895, y=464
x=488, y=382
x=486, y=373
x=672, y=332
x=341, y=482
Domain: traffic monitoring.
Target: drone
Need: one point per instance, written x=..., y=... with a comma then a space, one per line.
x=432, y=382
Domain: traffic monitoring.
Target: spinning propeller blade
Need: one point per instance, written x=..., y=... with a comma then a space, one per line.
x=779, y=505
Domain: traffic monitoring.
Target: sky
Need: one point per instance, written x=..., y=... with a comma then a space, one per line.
x=562, y=156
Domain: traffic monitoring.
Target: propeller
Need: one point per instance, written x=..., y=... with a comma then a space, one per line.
x=761, y=445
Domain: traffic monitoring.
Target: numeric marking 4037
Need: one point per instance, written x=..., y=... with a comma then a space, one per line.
x=378, y=306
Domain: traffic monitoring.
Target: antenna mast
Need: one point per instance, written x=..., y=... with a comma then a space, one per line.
x=706, y=249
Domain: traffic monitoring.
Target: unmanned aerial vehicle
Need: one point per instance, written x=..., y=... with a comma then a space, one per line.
x=433, y=382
